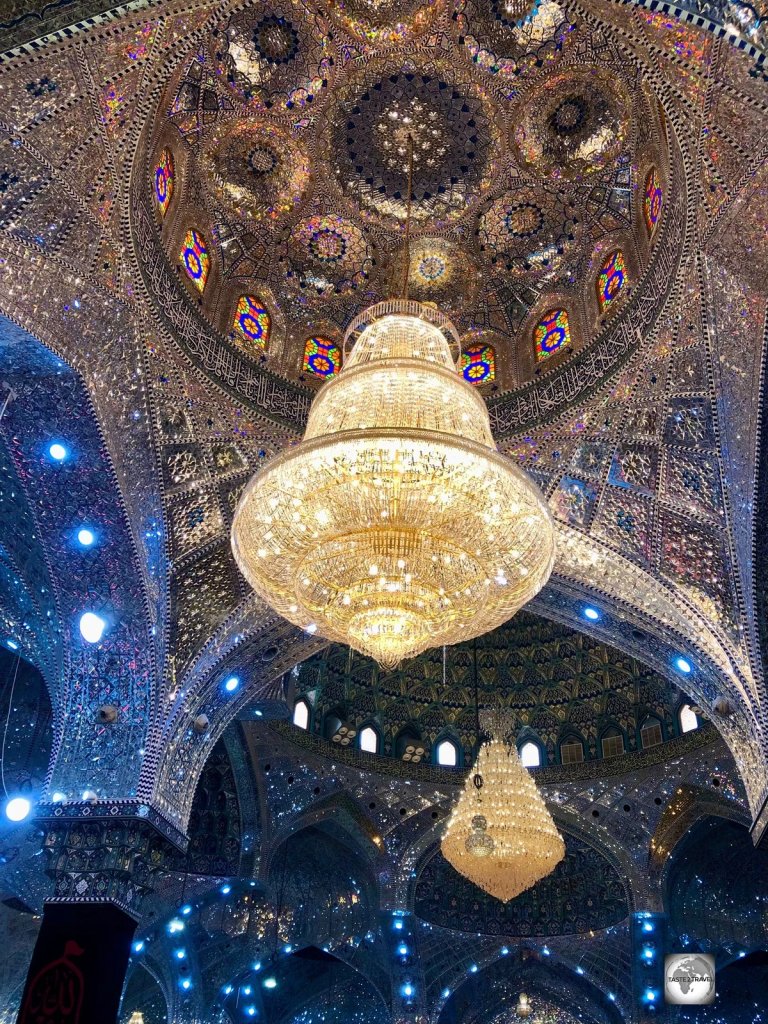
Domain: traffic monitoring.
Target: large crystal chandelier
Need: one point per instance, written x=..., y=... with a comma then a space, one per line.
x=501, y=835
x=395, y=526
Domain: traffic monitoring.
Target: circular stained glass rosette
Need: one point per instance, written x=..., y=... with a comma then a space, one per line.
x=552, y=334
x=529, y=230
x=195, y=258
x=611, y=279
x=164, y=180
x=328, y=255
x=478, y=363
x=455, y=142
x=386, y=21
x=276, y=55
x=653, y=200
x=251, y=325
x=256, y=170
x=322, y=357
x=509, y=40
x=575, y=124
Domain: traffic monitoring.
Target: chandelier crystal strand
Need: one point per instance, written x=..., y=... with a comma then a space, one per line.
x=500, y=835
x=395, y=526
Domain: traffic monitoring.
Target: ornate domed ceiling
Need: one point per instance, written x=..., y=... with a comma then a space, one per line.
x=561, y=685
x=276, y=170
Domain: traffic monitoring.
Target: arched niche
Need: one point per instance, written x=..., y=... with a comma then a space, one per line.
x=572, y=302
x=713, y=880
x=619, y=241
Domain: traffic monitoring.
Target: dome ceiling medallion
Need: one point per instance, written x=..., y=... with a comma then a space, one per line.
x=296, y=183
x=456, y=142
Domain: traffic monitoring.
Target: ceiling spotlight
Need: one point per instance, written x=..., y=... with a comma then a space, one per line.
x=92, y=627
x=231, y=684
x=85, y=537
x=58, y=452
x=592, y=614
x=17, y=808
x=683, y=665
x=12, y=645
x=270, y=983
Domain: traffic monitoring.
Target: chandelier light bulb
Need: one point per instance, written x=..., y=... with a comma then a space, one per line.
x=501, y=835
x=395, y=526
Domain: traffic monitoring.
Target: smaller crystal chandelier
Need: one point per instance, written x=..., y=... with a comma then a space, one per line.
x=523, y=1008
x=501, y=835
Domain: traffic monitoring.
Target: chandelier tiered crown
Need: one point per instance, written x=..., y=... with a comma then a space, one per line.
x=395, y=525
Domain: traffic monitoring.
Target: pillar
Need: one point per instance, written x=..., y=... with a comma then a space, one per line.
x=649, y=942
x=102, y=859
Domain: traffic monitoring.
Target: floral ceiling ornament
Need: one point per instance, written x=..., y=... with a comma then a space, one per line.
x=500, y=835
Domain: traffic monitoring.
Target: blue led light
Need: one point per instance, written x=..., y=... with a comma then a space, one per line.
x=226, y=890
x=505, y=950
x=138, y=946
x=399, y=925
x=247, y=990
x=591, y=613
x=650, y=995
x=270, y=983
x=407, y=990
x=58, y=797
x=257, y=966
x=473, y=969
x=546, y=951
x=186, y=909
x=231, y=684
x=175, y=925
x=17, y=808
x=647, y=952
x=85, y=537
x=402, y=949
x=251, y=1011
x=228, y=990
x=186, y=983
x=58, y=452
x=579, y=970
x=92, y=627
x=12, y=645
x=683, y=665
x=446, y=993
x=181, y=954
x=647, y=926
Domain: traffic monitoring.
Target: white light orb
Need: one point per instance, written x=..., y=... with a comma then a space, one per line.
x=17, y=808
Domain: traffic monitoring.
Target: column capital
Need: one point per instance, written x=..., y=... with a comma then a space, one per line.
x=106, y=852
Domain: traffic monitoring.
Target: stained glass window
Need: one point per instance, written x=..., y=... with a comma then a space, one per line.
x=551, y=334
x=164, y=180
x=251, y=325
x=613, y=274
x=194, y=255
x=653, y=200
x=321, y=357
x=478, y=364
